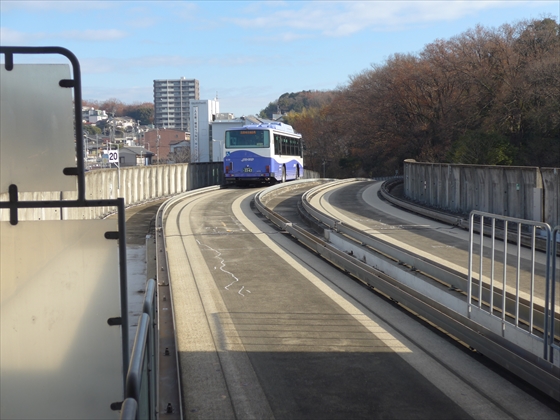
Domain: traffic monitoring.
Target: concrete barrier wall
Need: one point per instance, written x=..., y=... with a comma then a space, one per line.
x=524, y=192
x=309, y=174
x=551, y=195
x=135, y=184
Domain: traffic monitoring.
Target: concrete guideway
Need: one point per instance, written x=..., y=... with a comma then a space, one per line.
x=200, y=316
x=438, y=301
x=435, y=241
x=265, y=329
x=442, y=244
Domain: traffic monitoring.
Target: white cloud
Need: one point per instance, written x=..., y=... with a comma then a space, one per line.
x=58, y=6
x=170, y=61
x=183, y=10
x=288, y=37
x=92, y=35
x=128, y=95
x=143, y=22
x=11, y=37
x=242, y=100
x=173, y=63
x=338, y=19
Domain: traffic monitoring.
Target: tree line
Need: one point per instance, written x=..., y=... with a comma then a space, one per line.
x=297, y=102
x=139, y=111
x=488, y=96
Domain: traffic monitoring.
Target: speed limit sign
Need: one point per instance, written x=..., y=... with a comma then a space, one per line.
x=111, y=155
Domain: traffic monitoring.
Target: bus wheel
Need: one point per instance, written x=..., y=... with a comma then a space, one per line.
x=283, y=174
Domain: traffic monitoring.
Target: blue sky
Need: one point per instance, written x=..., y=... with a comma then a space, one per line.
x=249, y=53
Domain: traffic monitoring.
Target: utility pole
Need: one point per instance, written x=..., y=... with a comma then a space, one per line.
x=85, y=140
x=113, y=129
x=157, y=144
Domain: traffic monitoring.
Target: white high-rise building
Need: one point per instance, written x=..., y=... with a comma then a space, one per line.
x=203, y=112
x=172, y=102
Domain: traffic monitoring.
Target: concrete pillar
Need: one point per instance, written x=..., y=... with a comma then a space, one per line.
x=551, y=192
x=165, y=179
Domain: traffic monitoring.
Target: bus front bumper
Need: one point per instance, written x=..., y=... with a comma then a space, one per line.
x=249, y=177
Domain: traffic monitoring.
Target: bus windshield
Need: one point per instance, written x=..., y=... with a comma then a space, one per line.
x=237, y=139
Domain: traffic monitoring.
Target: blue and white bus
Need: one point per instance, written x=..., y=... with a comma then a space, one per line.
x=268, y=152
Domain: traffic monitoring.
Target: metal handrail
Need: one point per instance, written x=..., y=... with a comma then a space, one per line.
x=134, y=375
x=548, y=333
x=141, y=368
x=129, y=409
x=553, y=279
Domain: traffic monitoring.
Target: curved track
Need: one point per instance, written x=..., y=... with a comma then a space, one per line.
x=441, y=243
x=267, y=330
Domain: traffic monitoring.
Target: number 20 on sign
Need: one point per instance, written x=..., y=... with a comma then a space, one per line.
x=111, y=155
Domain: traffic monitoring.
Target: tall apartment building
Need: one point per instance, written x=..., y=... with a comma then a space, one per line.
x=171, y=102
x=203, y=113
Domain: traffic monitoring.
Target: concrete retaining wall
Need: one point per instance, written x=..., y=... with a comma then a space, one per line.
x=134, y=184
x=551, y=195
x=524, y=192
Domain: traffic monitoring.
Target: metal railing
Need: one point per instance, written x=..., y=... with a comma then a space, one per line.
x=140, y=386
x=555, y=237
x=489, y=294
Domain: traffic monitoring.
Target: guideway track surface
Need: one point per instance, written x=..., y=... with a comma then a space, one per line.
x=264, y=330
x=413, y=296
x=437, y=249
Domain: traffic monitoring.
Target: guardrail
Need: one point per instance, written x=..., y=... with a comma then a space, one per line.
x=489, y=307
x=555, y=237
x=140, y=384
x=403, y=283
